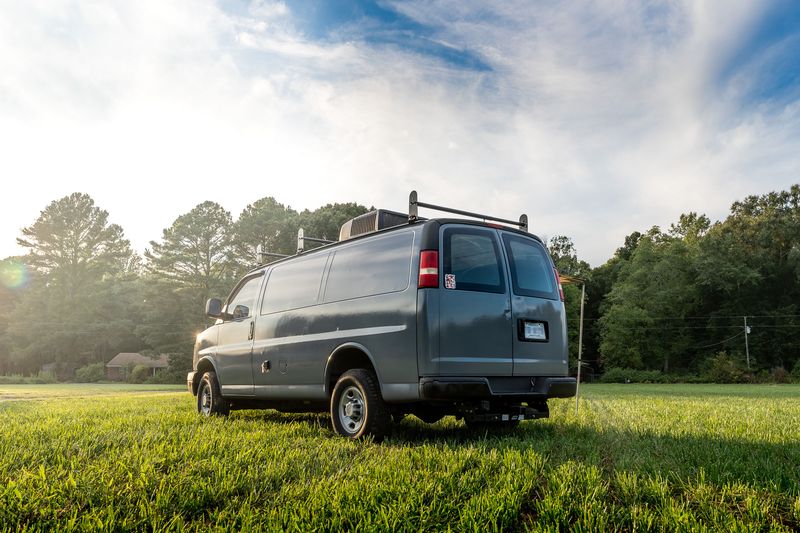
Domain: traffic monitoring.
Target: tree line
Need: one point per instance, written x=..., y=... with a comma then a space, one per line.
x=669, y=304
x=80, y=294
x=673, y=303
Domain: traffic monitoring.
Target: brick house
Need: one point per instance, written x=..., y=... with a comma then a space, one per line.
x=120, y=366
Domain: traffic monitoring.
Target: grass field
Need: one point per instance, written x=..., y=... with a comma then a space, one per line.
x=638, y=457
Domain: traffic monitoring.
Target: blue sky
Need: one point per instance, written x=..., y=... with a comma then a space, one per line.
x=595, y=118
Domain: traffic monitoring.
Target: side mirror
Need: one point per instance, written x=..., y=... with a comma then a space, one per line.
x=240, y=311
x=214, y=308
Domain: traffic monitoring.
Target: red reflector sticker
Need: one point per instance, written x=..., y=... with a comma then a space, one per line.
x=449, y=281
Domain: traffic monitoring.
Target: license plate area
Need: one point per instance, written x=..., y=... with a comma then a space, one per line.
x=531, y=330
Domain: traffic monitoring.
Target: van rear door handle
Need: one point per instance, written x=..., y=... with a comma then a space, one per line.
x=265, y=367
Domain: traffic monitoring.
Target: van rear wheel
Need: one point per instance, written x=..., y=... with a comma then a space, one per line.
x=357, y=408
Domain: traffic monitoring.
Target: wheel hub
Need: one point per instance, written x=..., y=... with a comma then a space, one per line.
x=205, y=400
x=351, y=409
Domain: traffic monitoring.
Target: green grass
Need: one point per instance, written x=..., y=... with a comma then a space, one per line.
x=638, y=457
x=73, y=390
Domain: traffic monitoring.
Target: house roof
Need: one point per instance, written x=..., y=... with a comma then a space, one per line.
x=123, y=359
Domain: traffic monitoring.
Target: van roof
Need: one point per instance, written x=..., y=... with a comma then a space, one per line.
x=417, y=222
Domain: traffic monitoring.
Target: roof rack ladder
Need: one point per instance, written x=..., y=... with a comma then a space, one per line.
x=262, y=255
x=301, y=241
x=414, y=204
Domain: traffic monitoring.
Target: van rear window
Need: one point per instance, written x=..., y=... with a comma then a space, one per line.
x=375, y=266
x=531, y=270
x=472, y=258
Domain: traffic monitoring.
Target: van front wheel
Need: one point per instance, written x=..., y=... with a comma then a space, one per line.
x=357, y=409
x=209, y=397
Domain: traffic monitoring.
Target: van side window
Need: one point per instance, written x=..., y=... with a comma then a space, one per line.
x=294, y=284
x=376, y=267
x=473, y=258
x=244, y=297
x=531, y=270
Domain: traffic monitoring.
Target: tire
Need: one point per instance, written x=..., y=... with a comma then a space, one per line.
x=357, y=409
x=209, y=397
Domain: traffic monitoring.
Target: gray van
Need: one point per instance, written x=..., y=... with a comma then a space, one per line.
x=403, y=315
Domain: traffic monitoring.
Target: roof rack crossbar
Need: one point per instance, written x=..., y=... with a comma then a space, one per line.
x=301, y=240
x=414, y=203
x=262, y=254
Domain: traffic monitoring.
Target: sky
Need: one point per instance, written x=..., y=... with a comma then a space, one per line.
x=596, y=119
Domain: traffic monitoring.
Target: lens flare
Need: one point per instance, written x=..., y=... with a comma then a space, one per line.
x=13, y=275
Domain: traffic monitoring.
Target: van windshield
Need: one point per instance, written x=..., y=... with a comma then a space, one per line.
x=531, y=271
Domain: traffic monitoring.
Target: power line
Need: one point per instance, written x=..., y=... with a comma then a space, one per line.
x=708, y=317
x=720, y=342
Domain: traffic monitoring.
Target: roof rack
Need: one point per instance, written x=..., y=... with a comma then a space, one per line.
x=414, y=203
x=301, y=243
x=263, y=254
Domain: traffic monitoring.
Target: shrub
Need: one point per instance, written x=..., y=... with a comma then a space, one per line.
x=91, y=373
x=44, y=377
x=19, y=379
x=724, y=368
x=139, y=374
x=180, y=363
x=630, y=375
x=616, y=375
x=796, y=371
x=168, y=377
x=780, y=375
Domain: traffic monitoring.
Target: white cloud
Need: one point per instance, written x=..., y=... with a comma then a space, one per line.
x=596, y=120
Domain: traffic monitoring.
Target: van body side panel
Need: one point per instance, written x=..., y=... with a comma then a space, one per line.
x=205, y=344
x=367, y=299
x=296, y=344
x=386, y=326
x=289, y=353
x=428, y=331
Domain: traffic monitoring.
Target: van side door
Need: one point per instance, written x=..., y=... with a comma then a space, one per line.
x=540, y=332
x=289, y=358
x=235, y=344
x=475, y=324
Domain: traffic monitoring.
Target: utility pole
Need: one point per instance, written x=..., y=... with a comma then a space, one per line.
x=580, y=349
x=746, y=345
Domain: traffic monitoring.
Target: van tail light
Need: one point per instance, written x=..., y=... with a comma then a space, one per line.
x=558, y=281
x=428, y=269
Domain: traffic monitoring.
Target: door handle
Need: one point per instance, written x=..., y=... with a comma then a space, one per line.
x=265, y=367
x=252, y=331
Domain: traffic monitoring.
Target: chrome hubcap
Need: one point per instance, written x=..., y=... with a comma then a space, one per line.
x=205, y=400
x=351, y=409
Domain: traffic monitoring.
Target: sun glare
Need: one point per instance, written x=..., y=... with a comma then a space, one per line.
x=13, y=275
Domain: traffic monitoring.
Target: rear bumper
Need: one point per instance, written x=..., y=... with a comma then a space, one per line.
x=507, y=388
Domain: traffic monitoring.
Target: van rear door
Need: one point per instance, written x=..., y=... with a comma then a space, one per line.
x=539, y=324
x=475, y=308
